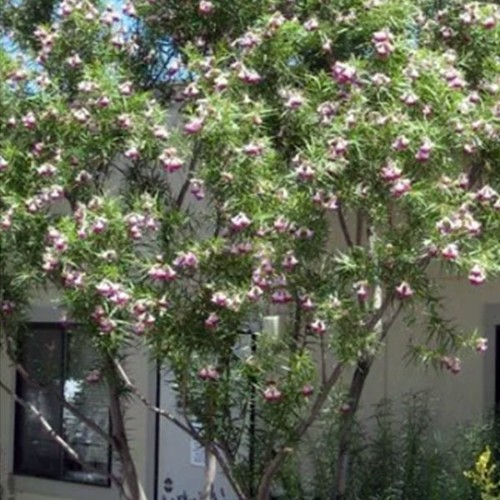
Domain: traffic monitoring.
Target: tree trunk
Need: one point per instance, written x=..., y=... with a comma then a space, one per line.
x=342, y=467
x=131, y=485
x=264, y=490
x=210, y=472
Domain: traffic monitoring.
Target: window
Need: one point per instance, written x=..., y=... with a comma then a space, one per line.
x=59, y=361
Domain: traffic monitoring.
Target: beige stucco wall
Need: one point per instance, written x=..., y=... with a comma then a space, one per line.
x=454, y=398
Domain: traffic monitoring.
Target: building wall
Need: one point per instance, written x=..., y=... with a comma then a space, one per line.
x=454, y=398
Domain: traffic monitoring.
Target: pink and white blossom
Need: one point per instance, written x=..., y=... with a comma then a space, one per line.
x=477, y=275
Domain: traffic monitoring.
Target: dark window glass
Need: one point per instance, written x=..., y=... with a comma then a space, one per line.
x=60, y=361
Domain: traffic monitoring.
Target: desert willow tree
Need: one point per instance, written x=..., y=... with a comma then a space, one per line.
x=335, y=150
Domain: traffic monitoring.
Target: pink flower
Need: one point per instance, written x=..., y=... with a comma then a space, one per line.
x=220, y=299
x=7, y=307
x=103, y=102
x=380, y=80
x=209, y=373
x=481, y=345
x=401, y=143
x=452, y=363
x=120, y=298
x=382, y=41
x=162, y=273
x=100, y=225
x=338, y=148
x=318, y=326
x=73, y=279
x=404, y=290
x=424, y=152
x=311, y=25
x=160, y=133
x=401, y=187
x=132, y=154
x=186, y=260
x=489, y=23
x=249, y=76
x=477, y=275
x=253, y=149
x=361, y=289
x=272, y=394
x=221, y=83
x=46, y=170
x=409, y=98
x=289, y=262
x=212, y=321
x=50, y=261
x=29, y=120
x=305, y=172
x=205, y=7
x=106, y=325
x=294, y=101
x=6, y=220
x=74, y=61
x=343, y=73
x=331, y=203
x=307, y=390
x=450, y=252
x=3, y=164
x=281, y=224
x=485, y=194
x=106, y=288
x=255, y=293
x=306, y=303
x=240, y=222
x=193, y=126
x=125, y=88
x=124, y=121
x=281, y=297
x=390, y=172
x=303, y=233
x=170, y=161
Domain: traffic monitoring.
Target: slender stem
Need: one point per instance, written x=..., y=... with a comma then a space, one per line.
x=160, y=411
x=359, y=227
x=190, y=170
x=210, y=471
x=131, y=482
x=345, y=229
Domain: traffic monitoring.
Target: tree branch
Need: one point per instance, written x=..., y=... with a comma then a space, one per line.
x=192, y=166
x=343, y=226
x=160, y=411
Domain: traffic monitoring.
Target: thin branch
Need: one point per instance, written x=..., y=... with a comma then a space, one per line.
x=323, y=359
x=226, y=469
x=345, y=229
x=323, y=393
x=359, y=227
x=56, y=437
x=162, y=412
x=192, y=166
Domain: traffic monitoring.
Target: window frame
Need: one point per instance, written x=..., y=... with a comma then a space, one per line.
x=20, y=386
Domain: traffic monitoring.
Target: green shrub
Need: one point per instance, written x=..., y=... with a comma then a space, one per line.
x=403, y=458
